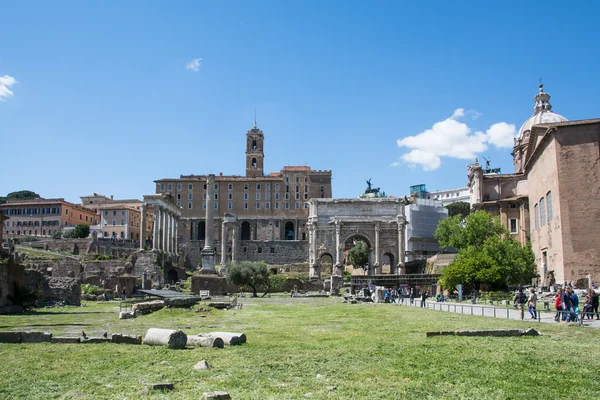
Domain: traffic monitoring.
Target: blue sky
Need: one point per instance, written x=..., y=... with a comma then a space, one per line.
x=96, y=96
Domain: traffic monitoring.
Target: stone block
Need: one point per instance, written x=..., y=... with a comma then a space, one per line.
x=35, y=337
x=161, y=386
x=230, y=338
x=127, y=339
x=201, y=366
x=530, y=332
x=496, y=332
x=165, y=337
x=217, y=395
x=94, y=340
x=126, y=315
x=66, y=340
x=147, y=307
x=205, y=341
x=181, y=301
x=10, y=337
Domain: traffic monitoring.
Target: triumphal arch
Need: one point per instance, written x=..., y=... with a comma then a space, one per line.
x=334, y=225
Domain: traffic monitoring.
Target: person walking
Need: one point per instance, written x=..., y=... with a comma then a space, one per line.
x=558, y=304
x=595, y=304
x=424, y=296
x=532, y=303
x=567, y=305
x=520, y=301
x=412, y=296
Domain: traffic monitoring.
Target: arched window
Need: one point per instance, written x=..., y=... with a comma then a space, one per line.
x=542, y=211
x=289, y=230
x=254, y=163
x=245, y=231
x=201, y=230
x=254, y=144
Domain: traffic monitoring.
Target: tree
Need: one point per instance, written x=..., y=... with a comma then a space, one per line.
x=359, y=255
x=459, y=208
x=486, y=253
x=20, y=195
x=79, y=232
x=248, y=273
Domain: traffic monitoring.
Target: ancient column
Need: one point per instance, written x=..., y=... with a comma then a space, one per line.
x=156, y=236
x=401, y=258
x=234, y=238
x=165, y=240
x=159, y=242
x=223, y=246
x=171, y=233
x=312, y=251
x=143, y=228
x=376, y=264
x=338, y=245
x=175, y=236
x=208, y=253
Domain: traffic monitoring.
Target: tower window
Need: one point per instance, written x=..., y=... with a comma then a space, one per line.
x=254, y=147
x=254, y=163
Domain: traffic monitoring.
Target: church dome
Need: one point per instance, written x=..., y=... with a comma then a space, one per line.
x=542, y=113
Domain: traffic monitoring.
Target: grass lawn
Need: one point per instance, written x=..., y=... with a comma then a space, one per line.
x=300, y=348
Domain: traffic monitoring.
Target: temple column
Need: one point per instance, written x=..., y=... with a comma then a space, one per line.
x=176, y=233
x=208, y=253
x=161, y=223
x=143, y=228
x=376, y=264
x=165, y=239
x=338, y=257
x=223, y=246
x=156, y=228
x=401, y=258
x=172, y=233
x=234, y=239
x=312, y=251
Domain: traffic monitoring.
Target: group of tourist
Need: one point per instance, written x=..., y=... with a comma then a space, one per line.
x=521, y=300
x=567, y=305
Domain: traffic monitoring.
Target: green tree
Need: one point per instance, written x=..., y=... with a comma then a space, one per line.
x=486, y=253
x=249, y=273
x=20, y=195
x=359, y=255
x=79, y=232
x=459, y=208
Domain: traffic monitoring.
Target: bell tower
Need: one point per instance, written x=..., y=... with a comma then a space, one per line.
x=254, y=152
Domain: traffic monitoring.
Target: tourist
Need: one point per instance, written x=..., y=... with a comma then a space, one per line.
x=575, y=301
x=558, y=304
x=567, y=305
x=424, y=296
x=587, y=307
x=532, y=303
x=412, y=296
x=520, y=301
x=595, y=304
x=123, y=294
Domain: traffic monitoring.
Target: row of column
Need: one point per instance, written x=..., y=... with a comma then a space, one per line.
x=165, y=230
x=226, y=229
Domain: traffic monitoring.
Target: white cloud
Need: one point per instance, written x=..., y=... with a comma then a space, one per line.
x=454, y=139
x=5, y=82
x=501, y=135
x=194, y=65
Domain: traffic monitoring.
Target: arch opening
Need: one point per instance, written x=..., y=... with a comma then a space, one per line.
x=289, y=230
x=245, y=231
x=172, y=276
x=201, y=230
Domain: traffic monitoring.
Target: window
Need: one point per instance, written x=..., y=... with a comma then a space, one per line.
x=122, y=213
x=178, y=196
x=305, y=205
x=276, y=206
x=204, y=196
x=287, y=196
x=105, y=222
x=513, y=226
x=169, y=187
x=259, y=250
x=297, y=188
x=287, y=179
x=122, y=222
x=204, y=205
x=277, y=186
x=216, y=196
x=267, y=205
x=537, y=217
x=179, y=204
x=322, y=188
x=190, y=205
x=114, y=213
x=287, y=188
x=267, y=196
x=542, y=211
x=245, y=196
x=305, y=196
x=230, y=205
x=245, y=206
x=204, y=187
x=257, y=196
x=162, y=187
x=258, y=206
x=229, y=196
x=287, y=205
x=549, y=202
x=245, y=186
x=297, y=179
x=190, y=196
x=306, y=188
x=66, y=211
x=216, y=186
x=190, y=186
x=276, y=196
x=258, y=186
x=297, y=196
x=179, y=186
x=297, y=205
x=268, y=186
x=229, y=187
x=272, y=250
x=216, y=205
x=114, y=222
x=106, y=213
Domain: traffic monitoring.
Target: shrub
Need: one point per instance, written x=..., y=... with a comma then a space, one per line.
x=88, y=288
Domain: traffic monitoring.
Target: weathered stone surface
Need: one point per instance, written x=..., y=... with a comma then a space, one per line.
x=128, y=339
x=35, y=337
x=230, y=338
x=439, y=333
x=181, y=301
x=497, y=332
x=205, y=341
x=10, y=337
x=165, y=337
x=94, y=340
x=201, y=366
x=65, y=340
x=126, y=315
x=147, y=307
x=217, y=395
x=530, y=332
x=161, y=386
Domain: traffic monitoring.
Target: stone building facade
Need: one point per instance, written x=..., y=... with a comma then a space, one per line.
x=267, y=207
x=43, y=217
x=552, y=197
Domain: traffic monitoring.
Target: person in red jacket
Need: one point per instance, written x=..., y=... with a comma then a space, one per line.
x=558, y=304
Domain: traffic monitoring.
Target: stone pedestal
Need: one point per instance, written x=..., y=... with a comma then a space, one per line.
x=315, y=271
x=208, y=262
x=336, y=285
